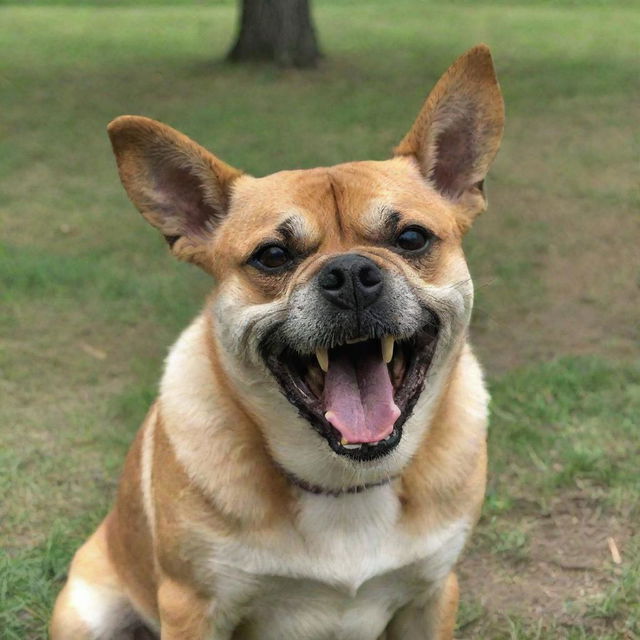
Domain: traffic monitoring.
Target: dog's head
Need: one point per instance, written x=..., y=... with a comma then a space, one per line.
x=342, y=294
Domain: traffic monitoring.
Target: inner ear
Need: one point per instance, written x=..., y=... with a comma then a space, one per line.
x=182, y=198
x=455, y=155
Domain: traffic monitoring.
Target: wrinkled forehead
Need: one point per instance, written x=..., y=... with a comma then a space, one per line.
x=334, y=206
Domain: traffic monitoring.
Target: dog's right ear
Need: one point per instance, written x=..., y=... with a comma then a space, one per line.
x=177, y=185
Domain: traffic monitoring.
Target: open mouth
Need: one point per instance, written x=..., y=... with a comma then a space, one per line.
x=358, y=395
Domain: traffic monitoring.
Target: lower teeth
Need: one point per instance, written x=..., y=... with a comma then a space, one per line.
x=371, y=444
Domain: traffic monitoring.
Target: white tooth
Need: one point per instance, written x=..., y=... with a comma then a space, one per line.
x=387, y=348
x=323, y=358
x=351, y=446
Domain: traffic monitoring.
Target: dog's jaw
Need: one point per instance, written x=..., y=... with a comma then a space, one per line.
x=295, y=446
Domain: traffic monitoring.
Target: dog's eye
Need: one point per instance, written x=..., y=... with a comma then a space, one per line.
x=271, y=257
x=414, y=238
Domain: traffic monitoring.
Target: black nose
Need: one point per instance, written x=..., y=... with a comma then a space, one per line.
x=351, y=281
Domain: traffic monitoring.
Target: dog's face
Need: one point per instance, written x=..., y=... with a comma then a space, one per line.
x=342, y=294
x=342, y=281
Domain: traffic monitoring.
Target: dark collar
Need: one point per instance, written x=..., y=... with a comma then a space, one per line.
x=334, y=493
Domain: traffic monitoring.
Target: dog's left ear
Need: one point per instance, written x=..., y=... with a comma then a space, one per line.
x=458, y=131
x=178, y=186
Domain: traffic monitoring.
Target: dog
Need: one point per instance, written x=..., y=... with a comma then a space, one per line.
x=316, y=456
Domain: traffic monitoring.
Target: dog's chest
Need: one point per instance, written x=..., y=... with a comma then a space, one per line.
x=339, y=574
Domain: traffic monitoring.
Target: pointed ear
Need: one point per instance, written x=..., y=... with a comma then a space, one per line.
x=177, y=185
x=457, y=133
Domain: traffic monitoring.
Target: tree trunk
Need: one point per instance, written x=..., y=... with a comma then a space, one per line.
x=279, y=31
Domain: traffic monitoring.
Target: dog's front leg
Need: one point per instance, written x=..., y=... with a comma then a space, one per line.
x=433, y=619
x=184, y=614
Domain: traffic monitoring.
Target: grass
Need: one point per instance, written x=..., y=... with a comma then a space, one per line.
x=565, y=429
x=552, y=416
x=90, y=299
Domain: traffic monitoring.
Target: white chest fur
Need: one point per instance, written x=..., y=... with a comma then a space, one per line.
x=339, y=573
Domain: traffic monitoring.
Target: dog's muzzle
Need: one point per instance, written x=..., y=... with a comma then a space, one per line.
x=353, y=354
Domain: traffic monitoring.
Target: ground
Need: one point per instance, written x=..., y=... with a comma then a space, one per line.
x=91, y=300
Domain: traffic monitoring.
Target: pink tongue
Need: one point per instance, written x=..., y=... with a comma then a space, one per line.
x=358, y=398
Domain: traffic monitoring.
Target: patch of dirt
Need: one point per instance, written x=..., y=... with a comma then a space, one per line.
x=588, y=270
x=568, y=565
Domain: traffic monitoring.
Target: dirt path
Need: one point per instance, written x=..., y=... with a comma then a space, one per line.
x=584, y=282
x=566, y=565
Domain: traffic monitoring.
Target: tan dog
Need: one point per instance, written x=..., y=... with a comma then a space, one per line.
x=316, y=457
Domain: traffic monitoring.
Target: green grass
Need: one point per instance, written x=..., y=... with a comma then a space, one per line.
x=571, y=420
x=91, y=300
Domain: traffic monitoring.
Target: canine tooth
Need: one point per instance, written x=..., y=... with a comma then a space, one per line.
x=344, y=441
x=387, y=348
x=323, y=358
